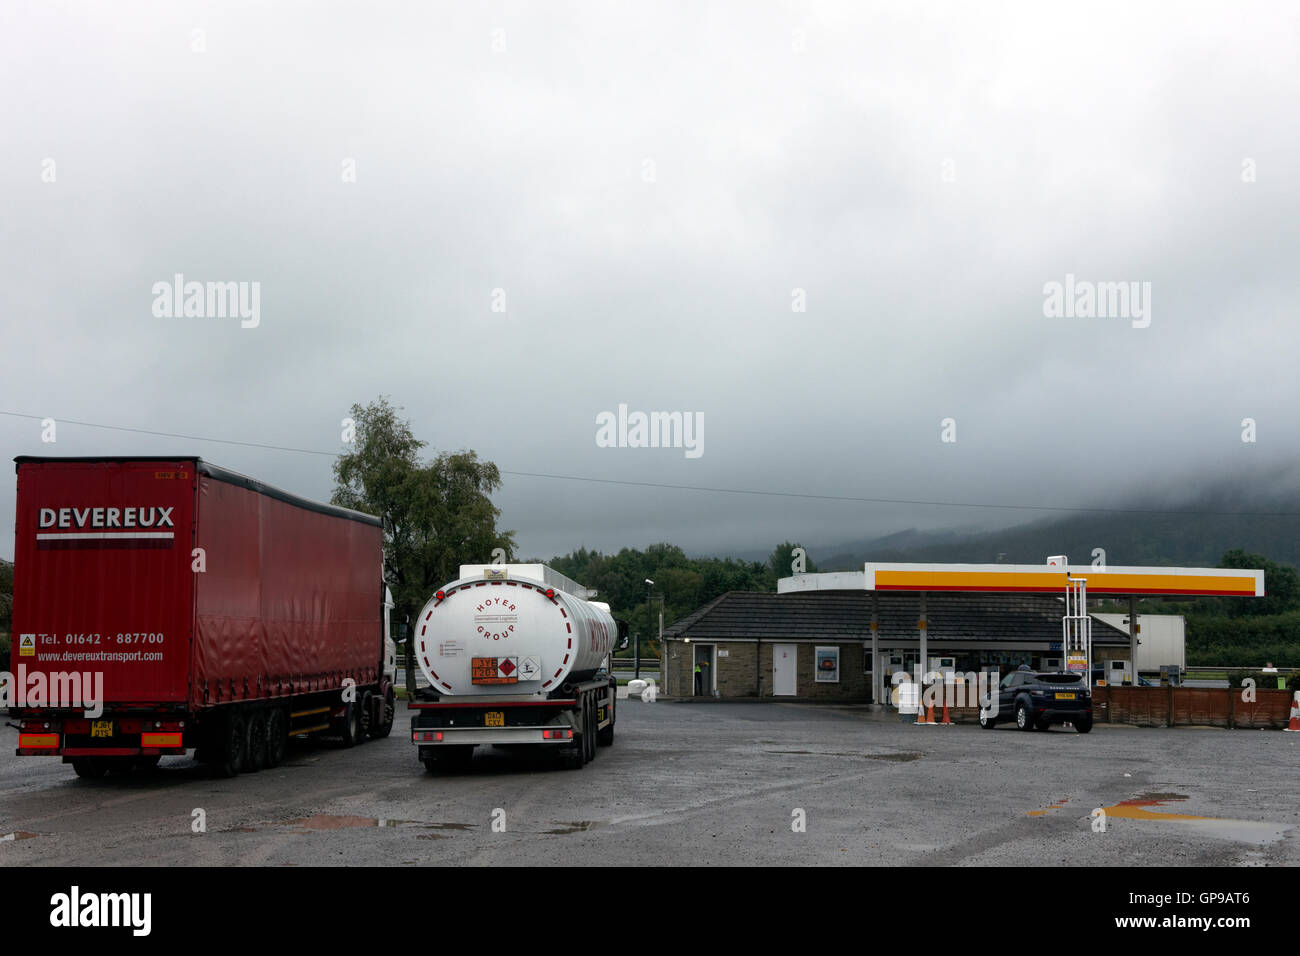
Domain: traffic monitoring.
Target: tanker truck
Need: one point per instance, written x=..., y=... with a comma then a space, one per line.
x=167, y=604
x=515, y=655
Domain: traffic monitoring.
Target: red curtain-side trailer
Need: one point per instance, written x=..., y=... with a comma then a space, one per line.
x=166, y=604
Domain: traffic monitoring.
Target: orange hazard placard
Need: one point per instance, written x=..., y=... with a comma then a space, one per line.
x=494, y=670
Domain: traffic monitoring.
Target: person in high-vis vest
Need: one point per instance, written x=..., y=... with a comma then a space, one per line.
x=699, y=680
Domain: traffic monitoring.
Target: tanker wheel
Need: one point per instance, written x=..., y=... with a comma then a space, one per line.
x=605, y=737
x=277, y=737
x=366, y=716
x=230, y=758
x=588, y=723
x=453, y=759
x=385, y=726
x=90, y=768
x=255, y=745
x=571, y=755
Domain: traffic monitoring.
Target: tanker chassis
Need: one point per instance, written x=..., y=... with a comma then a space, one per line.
x=515, y=655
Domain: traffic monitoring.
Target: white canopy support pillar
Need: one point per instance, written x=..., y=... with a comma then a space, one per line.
x=877, y=672
x=1133, y=638
x=923, y=665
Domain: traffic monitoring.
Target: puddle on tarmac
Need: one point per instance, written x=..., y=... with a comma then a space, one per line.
x=332, y=821
x=895, y=757
x=1257, y=832
x=576, y=826
x=1054, y=805
x=17, y=835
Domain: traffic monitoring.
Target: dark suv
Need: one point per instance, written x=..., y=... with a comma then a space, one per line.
x=1036, y=701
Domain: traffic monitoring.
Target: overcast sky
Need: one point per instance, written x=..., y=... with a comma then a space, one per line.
x=650, y=184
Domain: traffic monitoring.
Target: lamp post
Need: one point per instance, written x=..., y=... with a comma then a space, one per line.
x=637, y=666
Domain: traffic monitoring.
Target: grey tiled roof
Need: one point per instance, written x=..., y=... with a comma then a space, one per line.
x=846, y=615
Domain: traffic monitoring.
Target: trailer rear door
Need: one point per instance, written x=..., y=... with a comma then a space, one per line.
x=102, y=574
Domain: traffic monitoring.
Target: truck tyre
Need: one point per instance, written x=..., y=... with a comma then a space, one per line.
x=385, y=724
x=588, y=728
x=255, y=744
x=230, y=759
x=90, y=768
x=277, y=737
x=349, y=727
x=605, y=737
x=366, y=715
x=452, y=759
x=571, y=755
x=1024, y=719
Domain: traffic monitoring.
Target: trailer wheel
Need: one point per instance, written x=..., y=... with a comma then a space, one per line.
x=349, y=725
x=605, y=737
x=255, y=745
x=277, y=737
x=366, y=716
x=588, y=722
x=385, y=725
x=91, y=768
x=230, y=759
x=455, y=759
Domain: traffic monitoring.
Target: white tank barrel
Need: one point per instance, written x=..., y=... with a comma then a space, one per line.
x=511, y=629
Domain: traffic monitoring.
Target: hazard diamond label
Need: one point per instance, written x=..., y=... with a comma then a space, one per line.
x=26, y=645
x=494, y=670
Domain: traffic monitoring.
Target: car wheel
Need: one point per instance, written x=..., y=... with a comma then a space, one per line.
x=987, y=720
x=1083, y=725
x=1024, y=719
x=1044, y=723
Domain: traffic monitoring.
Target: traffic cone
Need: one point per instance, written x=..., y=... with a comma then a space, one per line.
x=947, y=721
x=1294, y=725
x=929, y=715
x=920, y=710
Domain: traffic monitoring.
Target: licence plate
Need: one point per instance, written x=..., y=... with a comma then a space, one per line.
x=494, y=718
x=101, y=728
x=1065, y=697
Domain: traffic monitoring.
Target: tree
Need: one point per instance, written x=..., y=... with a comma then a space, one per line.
x=6, y=601
x=783, y=562
x=1281, y=585
x=437, y=515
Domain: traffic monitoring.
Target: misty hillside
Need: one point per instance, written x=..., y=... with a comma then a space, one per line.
x=1198, y=537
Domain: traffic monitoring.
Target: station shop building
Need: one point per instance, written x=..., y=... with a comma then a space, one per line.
x=817, y=644
x=842, y=635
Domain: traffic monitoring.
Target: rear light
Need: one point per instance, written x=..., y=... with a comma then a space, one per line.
x=35, y=741
x=440, y=595
x=550, y=592
x=566, y=734
x=160, y=740
x=427, y=736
